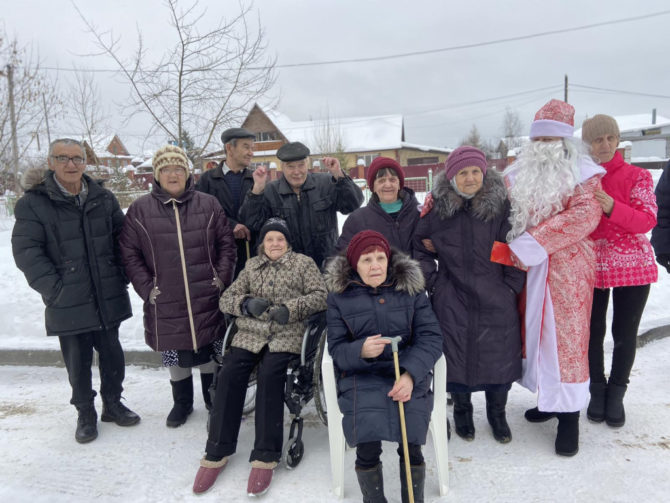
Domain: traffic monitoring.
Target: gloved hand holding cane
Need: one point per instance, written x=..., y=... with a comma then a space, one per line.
x=394, y=347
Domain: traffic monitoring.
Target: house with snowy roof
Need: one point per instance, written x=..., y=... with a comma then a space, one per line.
x=356, y=141
x=106, y=151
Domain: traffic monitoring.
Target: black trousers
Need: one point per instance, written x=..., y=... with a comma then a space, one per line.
x=627, y=306
x=77, y=353
x=231, y=388
x=368, y=454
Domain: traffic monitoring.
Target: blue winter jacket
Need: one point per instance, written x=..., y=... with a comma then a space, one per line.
x=398, y=307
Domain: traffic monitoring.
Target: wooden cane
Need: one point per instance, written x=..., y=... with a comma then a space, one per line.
x=401, y=409
x=247, y=244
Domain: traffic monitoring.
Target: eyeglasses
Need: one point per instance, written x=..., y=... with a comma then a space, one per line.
x=64, y=159
x=174, y=171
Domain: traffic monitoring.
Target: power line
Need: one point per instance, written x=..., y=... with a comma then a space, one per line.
x=413, y=53
x=476, y=102
x=619, y=91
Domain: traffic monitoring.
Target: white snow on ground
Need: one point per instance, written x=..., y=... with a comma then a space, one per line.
x=40, y=460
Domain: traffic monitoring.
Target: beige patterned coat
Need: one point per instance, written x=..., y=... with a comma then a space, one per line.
x=293, y=280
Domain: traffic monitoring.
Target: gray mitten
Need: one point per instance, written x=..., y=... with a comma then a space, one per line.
x=255, y=306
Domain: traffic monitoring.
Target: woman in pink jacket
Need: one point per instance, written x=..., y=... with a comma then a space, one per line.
x=625, y=264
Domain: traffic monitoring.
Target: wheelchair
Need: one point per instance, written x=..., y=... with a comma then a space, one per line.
x=303, y=382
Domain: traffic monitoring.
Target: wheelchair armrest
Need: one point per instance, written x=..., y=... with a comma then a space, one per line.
x=231, y=330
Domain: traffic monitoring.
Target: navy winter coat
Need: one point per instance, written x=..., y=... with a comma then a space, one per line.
x=70, y=255
x=474, y=299
x=397, y=307
x=164, y=239
x=399, y=232
x=311, y=217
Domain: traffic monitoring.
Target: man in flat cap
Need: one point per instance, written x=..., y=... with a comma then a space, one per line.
x=229, y=182
x=308, y=202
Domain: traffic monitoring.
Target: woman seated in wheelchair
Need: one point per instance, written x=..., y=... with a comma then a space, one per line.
x=377, y=293
x=274, y=293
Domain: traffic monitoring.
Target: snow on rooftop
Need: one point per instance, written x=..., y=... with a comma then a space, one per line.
x=359, y=134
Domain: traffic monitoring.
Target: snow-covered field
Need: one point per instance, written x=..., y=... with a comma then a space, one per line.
x=41, y=461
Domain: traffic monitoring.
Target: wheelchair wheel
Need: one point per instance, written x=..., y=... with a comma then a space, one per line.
x=250, y=399
x=294, y=453
x=319, y=395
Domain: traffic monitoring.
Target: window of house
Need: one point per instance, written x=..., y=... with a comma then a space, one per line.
x=267, y=136
x=367, y=158
x=415, y=161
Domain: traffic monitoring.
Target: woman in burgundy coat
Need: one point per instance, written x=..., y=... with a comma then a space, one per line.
x=179, y=253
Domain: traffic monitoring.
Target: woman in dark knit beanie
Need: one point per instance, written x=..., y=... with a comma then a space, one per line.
x=392, y=210
x=473, y=298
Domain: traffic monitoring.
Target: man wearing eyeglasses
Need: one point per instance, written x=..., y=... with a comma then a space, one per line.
x=65, y=241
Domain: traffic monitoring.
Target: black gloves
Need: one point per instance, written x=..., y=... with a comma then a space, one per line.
x=279, y=314
x=664, y=260
x=255, y=306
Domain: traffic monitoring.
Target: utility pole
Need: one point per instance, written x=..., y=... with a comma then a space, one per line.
x=12, y=118
x=46, y=116
x=565, y=89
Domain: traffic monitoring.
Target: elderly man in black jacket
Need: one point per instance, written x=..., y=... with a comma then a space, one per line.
x=308, y=202
x=229, y=182
x=65, y=242
x=660, y=235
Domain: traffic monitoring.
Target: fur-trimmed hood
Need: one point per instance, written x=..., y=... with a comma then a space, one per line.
x=33, y=176
x=36, y=176
x=404, y=274
x=488, y=203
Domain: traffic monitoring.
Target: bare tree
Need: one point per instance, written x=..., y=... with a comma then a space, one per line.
x=473, y=139
x=328, y=139
x=86, y=111
x=511, y=130
x=34, y=101
x=206, y=81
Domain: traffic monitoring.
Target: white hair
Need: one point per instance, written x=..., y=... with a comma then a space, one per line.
x=541, y=180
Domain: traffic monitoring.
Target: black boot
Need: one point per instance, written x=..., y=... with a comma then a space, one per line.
x=596, y=410
x=615, y=416
x=535, y=415
x=87, y=428
x=182, y=394
x=206, y=382
x=372, y=484
x=114, y=411
x=465, y=427
x=567, y=435
x=418, y=478
x=495, y=413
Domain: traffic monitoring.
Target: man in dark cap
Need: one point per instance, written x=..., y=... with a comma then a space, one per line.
x=229, y=182
x=309, y=202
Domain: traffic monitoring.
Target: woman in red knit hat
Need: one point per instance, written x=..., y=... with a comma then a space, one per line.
x=392, y=210
x=375, y=292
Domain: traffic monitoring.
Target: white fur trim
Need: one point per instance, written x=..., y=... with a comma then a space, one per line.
x=546, y=127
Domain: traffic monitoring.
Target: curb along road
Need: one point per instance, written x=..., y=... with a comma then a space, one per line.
x=53, y=358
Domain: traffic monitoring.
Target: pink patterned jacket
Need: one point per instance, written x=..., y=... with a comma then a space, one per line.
x=624, y=255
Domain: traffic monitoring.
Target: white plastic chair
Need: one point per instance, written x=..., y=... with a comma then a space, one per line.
x=438, y=424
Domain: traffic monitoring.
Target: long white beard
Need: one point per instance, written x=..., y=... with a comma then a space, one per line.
x=543, y=177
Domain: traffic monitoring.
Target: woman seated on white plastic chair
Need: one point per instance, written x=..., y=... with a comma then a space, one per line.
x=377, y=292
x=273, y=295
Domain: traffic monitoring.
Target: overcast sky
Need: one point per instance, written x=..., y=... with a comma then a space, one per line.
x=432, y=91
